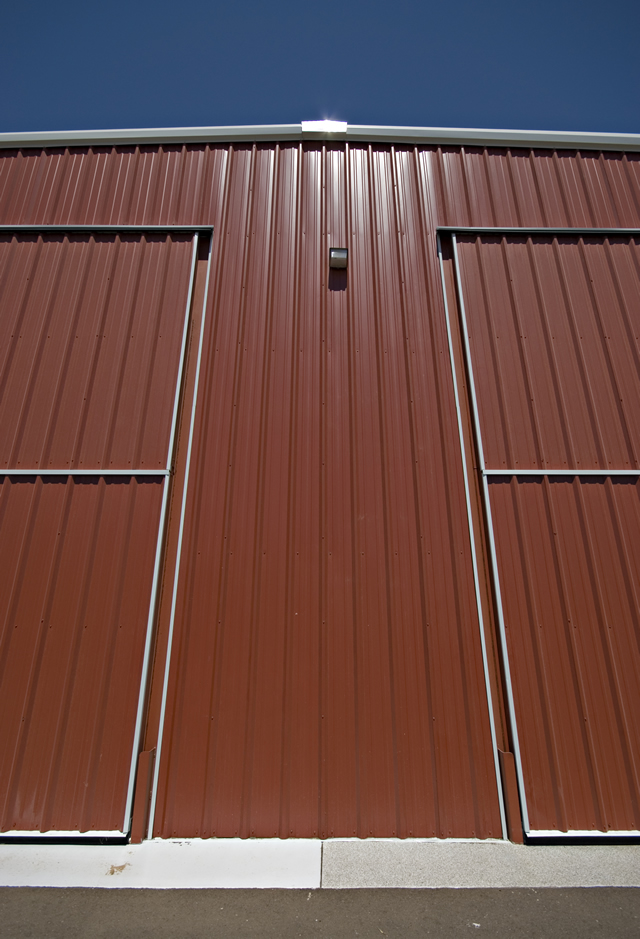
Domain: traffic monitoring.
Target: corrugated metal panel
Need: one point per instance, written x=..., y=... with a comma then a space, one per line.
x=77, y=561
x=110, y=186
x=90, y=340
x=552, y=188
x=181, y=185
x=569, y=560
x=326, y=671
x=553, y=326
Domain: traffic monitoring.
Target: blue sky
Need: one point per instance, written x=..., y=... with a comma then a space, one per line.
x=545, y=64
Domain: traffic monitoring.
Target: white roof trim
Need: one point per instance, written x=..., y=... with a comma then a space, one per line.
x=310, y=130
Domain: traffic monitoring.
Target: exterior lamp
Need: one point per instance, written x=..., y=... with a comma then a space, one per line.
x=338, y=257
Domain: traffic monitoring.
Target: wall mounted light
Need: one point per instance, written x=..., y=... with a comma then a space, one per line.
x=338, y=257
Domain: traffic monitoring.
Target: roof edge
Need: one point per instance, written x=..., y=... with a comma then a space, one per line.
x=359, y=133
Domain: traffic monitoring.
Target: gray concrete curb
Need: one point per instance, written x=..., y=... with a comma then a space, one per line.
x=390, y=863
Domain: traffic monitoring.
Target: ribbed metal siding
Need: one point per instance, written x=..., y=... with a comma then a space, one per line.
x=569, y=559
x=111, y=186
x=326, y=672
x=90, y=338
x=77, y=560
x=190, y=185
x=182, y=185
x=552, y=188
x=554, y=337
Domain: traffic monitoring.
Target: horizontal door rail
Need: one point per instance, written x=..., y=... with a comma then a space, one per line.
x=83, y=472
x=561, y=472
x=557, y=834
x=115, y=229
x=524, y=230
x=56, y=835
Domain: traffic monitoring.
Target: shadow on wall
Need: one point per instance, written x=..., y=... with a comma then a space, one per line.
x=337, y=279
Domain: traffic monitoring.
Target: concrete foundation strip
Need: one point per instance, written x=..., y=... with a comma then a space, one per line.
x=310, y=864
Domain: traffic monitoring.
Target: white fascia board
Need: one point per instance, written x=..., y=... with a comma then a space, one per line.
x=151, y=136
x=358, y=133
x=472, y=137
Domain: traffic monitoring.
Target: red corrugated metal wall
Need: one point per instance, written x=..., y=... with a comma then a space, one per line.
x=326, y=675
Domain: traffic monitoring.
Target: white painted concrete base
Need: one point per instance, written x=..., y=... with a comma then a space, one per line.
x=228, y=862
x=308, y=864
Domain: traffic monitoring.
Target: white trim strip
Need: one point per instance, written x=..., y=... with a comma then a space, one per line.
x=561, y=472
x=12, y=471
x=142, y=694
x=174, y=596
x=575, y=833
x=476, y=579
x=183, y=346
x=137, y=733
x=54, y=833
x=492, y=550
x=523, y=230
x=151, y=136
x=357, y=133
x=479, y=137
x=105, y=229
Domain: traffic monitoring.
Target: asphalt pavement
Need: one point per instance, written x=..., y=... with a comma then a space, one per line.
x=81, y=913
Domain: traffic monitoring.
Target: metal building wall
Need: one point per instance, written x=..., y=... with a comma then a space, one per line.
x=326, y=440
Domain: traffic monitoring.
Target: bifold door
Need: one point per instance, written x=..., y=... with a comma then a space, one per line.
x=552, y=327
x=92, y=334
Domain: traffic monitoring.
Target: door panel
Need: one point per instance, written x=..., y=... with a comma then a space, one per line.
x=91, y=335
x=77, y=558
x=553, y=330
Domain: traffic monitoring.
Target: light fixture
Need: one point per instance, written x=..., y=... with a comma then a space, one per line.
x=324, y=127
x=338, y=257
